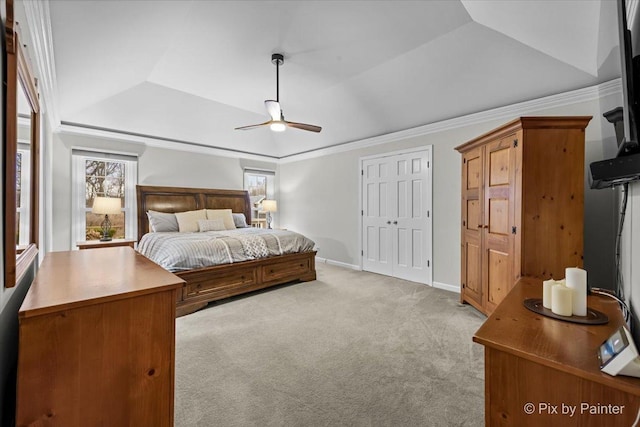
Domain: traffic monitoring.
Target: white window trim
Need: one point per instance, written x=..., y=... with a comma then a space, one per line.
x=78, y=208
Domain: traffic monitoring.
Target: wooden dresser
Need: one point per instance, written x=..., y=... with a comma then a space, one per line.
x=536, y=367
x=522, y=205
x=96, y=341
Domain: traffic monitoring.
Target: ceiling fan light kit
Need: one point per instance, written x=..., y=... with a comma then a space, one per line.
x=277, y=122
x=278, y=126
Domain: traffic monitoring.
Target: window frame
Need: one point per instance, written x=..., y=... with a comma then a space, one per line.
x=78, y=193
x=271, y=184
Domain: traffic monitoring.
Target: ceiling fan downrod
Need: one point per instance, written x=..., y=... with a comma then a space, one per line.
x=277, y=59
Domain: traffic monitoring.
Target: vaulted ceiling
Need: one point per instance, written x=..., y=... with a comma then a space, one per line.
x=194, y=70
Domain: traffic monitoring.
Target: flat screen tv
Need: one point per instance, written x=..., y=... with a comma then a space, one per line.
x=625, y=167
x=630, y=69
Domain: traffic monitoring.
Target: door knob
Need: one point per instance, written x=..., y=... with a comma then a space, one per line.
x=395, y=222
x=388, y=222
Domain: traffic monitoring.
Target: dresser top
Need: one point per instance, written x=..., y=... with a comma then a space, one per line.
x=74, y=279
x=567, y=347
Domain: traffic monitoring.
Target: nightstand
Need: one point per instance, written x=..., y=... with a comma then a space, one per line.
x=96, y=244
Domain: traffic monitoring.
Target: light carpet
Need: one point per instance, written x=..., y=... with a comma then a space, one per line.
x=349, y=349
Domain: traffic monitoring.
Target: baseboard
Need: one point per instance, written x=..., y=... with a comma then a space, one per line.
x=438, y=285
x=337, y=263
x=446, y=287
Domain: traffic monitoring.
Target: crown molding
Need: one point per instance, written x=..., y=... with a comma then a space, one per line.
x=158, y=142
x=501, y=113
x=38, y=18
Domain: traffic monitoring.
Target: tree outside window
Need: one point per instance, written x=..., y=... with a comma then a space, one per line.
x=104, y=179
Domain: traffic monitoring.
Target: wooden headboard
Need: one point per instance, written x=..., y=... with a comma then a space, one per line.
x=177, y=199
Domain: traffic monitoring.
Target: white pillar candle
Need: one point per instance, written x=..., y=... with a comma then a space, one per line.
x=577, y=281
x=561, y=300
x=546, y=292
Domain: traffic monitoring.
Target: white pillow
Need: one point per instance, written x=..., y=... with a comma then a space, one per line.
x=188, y=221
x=224, y=215
x=211, y=225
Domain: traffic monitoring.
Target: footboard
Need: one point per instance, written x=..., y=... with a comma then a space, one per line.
x=221, y=281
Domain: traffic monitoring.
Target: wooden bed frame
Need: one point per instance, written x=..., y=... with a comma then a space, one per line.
x=221, y=281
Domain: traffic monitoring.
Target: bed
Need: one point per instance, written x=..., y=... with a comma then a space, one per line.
x=210, y=283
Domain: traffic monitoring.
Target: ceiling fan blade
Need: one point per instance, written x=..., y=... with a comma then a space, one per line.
x=304, y=126
x=253, y=126
x=273, y=108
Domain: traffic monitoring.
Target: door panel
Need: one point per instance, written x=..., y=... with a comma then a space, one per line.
x=396, y=200
x=473, y=272
x=410, y=243
x=472, y=223
x=498, y=275
x=498, y=235
x=499, y=216
x=376, y=245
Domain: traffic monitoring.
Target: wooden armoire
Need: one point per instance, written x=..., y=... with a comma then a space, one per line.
x=522, y=205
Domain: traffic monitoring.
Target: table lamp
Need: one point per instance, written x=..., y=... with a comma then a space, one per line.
x=269, y=206
x=107, y=206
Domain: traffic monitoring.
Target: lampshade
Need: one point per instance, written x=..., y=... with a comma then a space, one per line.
x=106, y=206
x=269, y=206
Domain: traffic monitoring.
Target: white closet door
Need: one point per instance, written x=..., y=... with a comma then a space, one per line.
x=396, y=217
x=376, y=220
x=411, y=254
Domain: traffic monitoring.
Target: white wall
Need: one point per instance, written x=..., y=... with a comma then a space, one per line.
x=156, y=166
x=319, y=197
x=630, y=253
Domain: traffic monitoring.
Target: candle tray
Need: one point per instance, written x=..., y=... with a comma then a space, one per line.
x=593, y=317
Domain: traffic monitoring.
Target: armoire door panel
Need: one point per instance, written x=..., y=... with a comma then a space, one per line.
x=474, y=215
x=499, y=167
x=473, y=271
x=499, y=283
x=499, y=208
x=472, y=171
x=499, y=219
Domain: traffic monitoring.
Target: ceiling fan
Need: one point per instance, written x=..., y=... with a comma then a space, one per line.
x=277, y=122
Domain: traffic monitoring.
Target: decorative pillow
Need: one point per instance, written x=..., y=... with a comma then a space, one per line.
x=188, y=221
x=240, y=220
x=224, y=215
x=162, y=221
x=211, y=225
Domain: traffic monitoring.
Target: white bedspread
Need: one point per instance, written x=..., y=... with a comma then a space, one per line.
x=186, y=251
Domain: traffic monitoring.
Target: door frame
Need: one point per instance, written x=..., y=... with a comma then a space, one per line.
x=428, y=203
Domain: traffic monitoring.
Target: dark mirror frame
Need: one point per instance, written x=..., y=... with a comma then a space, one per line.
x=17, y=73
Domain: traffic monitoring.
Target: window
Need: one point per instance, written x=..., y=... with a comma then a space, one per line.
x=109, y=175
x=260, y=185
x=23, y=188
